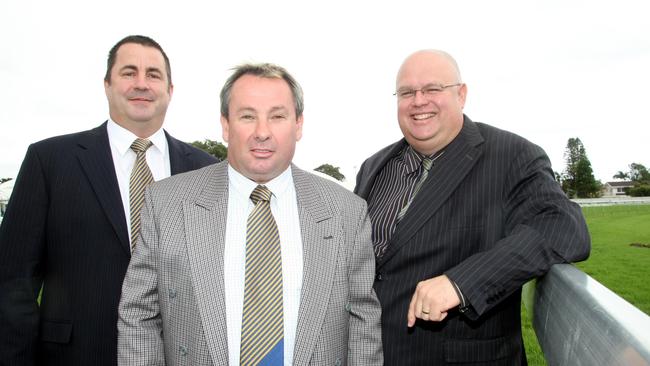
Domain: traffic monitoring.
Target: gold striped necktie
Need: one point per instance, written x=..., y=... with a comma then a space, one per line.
x=262, y=336
x=140, y=178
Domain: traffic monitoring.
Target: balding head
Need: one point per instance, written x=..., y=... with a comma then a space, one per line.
x=431, y=97
x=441, y=60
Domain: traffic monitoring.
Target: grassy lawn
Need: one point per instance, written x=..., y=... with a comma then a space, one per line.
x=613, y=262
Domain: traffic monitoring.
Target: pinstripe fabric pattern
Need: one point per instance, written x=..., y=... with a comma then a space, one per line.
x=75, y=243
x=490, y=217
x=262, y=320
x=395, y=187
x=424, y=173
x=140, y=178
x=173, y=311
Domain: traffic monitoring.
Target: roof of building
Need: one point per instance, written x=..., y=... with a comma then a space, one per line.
x=625, y=183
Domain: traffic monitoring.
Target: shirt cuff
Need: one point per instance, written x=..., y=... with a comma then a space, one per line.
x=463, y=303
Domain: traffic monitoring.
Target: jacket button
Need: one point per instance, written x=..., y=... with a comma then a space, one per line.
x=379, y=277
x=348, y=307
x=182, y=350
x=338, y=362
x=172, y=293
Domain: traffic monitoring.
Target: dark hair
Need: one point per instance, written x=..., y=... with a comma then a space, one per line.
x=141, y=40
x=264, y=70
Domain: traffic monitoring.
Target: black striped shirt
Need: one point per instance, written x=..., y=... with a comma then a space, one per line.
x=390, y=192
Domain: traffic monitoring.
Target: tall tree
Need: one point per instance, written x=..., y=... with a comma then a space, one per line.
x=332, y=171
x=214, y=148
x=578, y=178
x=639, y=174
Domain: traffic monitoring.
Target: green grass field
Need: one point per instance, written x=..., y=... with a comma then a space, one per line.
x=613, y=262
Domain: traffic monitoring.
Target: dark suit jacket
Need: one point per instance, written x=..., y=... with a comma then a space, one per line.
x=65, y=228
x=490, y=216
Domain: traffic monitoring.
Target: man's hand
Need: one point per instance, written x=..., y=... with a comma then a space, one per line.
x=432, y=299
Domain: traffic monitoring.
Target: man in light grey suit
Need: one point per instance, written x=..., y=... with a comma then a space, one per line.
x=184, y=299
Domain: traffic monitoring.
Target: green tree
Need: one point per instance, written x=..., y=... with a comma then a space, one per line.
x=2, y=180
x=640, y=177
x=214, y=148
x=332, y=171
x=639, y=174
x=621, y=175
x=578, y=177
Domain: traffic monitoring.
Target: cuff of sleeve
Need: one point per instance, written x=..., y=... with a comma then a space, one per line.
x=464, y=306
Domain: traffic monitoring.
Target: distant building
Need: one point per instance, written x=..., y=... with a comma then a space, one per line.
x=616, y=189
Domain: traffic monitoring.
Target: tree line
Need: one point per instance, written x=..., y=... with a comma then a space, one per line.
x=577, y=179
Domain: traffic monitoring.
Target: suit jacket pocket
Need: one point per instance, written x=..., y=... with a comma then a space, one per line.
x=478, y=350
x=57, y=332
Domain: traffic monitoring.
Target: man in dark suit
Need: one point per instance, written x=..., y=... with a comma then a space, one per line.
x=69, y=222
x=463, y=214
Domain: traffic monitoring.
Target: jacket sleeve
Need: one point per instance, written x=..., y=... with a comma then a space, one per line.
x=139, y=322
x=365, y=347
x=541, y=226
x=22, y=244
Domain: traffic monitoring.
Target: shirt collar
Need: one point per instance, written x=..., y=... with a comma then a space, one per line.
x=121, y=138
x=412, y=160
x=243, y=186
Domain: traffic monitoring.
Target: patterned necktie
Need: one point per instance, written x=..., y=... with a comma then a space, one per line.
x=140, y=178
x=427, y=163
x=262, y=335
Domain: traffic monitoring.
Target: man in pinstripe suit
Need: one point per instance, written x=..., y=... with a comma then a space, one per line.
x=184, y=290
x=463, y=214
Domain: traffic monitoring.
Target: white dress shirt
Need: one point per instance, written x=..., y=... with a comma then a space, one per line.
x=157, y=157
x=284, y=207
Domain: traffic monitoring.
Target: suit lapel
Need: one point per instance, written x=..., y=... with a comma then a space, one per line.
x=96, y=161
x=205, y=230
x=374, y=167
x=320, y=251
x=448, y=172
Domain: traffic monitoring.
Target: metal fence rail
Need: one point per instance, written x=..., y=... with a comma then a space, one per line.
x=579, y=322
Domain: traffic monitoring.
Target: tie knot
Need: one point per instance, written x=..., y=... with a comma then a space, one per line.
x=140, y=145
x=260, y=193
x=427, y=163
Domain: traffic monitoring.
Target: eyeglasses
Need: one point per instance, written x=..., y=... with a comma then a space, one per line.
x=427, y=91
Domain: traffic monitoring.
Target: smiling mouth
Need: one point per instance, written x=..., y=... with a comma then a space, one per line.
x=262, y=153
x=421, y=116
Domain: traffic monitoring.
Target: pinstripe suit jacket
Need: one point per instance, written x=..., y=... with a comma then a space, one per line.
x=173, y=309
x=490, y=216
x=65, y=229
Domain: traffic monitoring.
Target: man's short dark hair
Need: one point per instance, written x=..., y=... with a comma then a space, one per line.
x=264, y=70
x=141, y=40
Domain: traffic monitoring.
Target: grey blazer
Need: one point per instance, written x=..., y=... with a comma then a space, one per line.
x=173, y=310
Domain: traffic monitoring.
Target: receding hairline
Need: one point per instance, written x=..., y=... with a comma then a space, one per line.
x=433, y=52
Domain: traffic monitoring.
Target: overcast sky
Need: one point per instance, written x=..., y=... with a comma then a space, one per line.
x=546, y=70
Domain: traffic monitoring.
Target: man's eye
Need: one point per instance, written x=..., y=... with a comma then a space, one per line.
x=128, y=73
x=432, y=90
x=247, y=116
x=278, y=116
x=154, y=76
x=406, y=93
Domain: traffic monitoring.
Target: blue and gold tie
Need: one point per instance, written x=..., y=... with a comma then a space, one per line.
x=262, y=320
x=141, y=177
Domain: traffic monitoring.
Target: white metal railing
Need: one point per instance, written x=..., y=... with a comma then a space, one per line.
x=580, y=322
